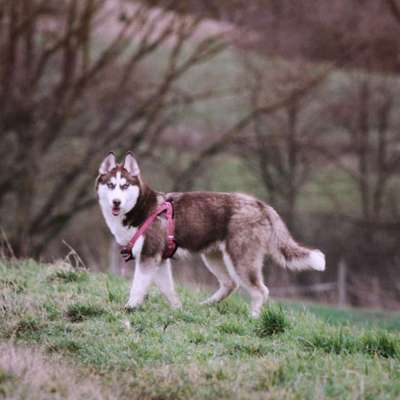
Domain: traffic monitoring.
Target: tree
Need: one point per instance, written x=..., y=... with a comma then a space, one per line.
x=366, y=146
x=278, y=148
x=73, y=84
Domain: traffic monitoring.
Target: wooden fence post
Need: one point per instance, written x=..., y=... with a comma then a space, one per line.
x=341, y=283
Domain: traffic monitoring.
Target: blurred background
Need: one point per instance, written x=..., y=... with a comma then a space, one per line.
x=294, y=102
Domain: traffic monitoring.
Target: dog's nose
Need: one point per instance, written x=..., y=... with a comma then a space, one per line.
x=116, y=203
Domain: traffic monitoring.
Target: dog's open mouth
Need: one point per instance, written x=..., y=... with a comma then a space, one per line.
x=115, y=210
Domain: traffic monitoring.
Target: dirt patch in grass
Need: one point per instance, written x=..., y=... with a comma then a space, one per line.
x=27, y=373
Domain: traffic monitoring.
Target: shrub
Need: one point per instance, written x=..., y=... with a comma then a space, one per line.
x=272, y=321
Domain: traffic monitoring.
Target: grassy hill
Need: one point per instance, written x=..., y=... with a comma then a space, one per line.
x=64, y=334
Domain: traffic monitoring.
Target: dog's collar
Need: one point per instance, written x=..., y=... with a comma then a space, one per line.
x=171, y=245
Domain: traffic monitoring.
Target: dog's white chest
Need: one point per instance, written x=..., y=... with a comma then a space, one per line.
x=122, y=234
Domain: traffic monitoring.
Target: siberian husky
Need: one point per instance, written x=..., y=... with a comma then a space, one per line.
x=243, y=228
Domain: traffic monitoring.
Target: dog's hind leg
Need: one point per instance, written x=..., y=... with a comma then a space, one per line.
x=164, y=281
x=247, y=266
x=226, y=284
x=142, y=278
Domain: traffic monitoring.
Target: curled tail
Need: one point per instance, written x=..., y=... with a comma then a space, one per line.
x=286, y=252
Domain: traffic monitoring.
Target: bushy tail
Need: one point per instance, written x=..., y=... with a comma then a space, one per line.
x=286, y=252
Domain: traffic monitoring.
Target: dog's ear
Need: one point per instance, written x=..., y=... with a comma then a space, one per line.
x=131, y=165
x=107, y=164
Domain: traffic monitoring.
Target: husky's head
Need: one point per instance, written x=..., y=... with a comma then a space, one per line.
x=118, y=185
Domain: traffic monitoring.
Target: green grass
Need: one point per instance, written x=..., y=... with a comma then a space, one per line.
x=343, y=317
x=292, y=352
x=272, y=321
x=69, y=276
x=78, y=312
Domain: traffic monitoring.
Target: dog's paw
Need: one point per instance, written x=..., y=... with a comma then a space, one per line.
x=207, y=302
x=255, y=314
x=131, y=306
x=176, y=305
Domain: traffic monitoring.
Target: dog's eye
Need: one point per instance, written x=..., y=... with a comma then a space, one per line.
x=125, y=186
x=110, y=185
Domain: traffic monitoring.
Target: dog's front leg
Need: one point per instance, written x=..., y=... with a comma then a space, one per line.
x=165, y=282
x=142, y=278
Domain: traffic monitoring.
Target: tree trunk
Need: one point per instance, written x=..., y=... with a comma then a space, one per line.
x=25, y=192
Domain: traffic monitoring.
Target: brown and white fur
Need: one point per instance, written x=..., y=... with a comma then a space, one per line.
x=243, y=228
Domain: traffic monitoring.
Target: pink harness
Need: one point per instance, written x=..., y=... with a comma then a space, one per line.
x=171, y=245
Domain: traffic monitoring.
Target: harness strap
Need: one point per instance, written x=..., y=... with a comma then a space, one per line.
x=171, y=245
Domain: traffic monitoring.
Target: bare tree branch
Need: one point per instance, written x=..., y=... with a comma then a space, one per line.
x=183, y=180
x=394, y=9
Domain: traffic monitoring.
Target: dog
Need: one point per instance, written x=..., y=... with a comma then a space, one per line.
x=243, y=228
